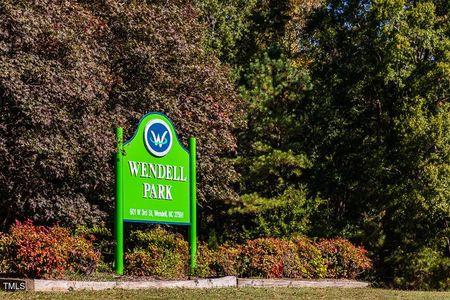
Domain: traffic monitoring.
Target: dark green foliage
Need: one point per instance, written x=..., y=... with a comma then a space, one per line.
x=259, y=39
x=239, y=30
x=228, y=23
x=72, y=71
x=381, y=130
x=273, y=201
x=369, y=132
x=253, y=216
x=424, y=268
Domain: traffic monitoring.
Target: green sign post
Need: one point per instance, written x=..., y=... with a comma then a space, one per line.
x=155, y=181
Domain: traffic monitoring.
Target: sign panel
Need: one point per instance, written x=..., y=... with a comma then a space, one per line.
x=155, y=174
x=155, y=181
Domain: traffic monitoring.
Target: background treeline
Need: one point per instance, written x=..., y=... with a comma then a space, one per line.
x=321, y=118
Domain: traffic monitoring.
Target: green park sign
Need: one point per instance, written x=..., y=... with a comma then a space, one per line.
x=155, y=180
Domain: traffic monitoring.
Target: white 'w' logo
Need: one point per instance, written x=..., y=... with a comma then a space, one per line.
x=159, y=140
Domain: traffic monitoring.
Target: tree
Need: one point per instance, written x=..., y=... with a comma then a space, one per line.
x=228, y=23
x=380, y=129
x=240, y=31
x=72, y=71
x=257, y=38
x=274, y=199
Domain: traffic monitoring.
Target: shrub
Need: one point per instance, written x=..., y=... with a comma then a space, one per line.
x=270, y=258
x=343, y=259
x=228, y=261
x=102, y=239
x=206, y=261
x=6, y=253
x=45, y=252
x=157, y=252
x=83, y=258
x=139, y=263
x=163, y=254
x=158, y=237
x=40, y=251
x=299, y=257
x=312, y=264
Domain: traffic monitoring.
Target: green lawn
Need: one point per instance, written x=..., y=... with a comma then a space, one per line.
x=234, y=294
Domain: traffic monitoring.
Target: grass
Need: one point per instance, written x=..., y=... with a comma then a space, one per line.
x=234, y=294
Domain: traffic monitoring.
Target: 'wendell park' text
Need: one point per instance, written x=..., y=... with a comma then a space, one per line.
x=157, y=171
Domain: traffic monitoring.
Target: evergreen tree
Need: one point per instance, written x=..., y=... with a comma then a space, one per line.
x=381, y=131
x=274, y=200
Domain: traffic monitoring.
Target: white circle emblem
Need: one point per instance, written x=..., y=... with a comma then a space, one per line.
x=158, y=137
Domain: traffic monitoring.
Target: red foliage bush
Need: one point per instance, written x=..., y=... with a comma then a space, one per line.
x=343, y=259
x=228, y=260
x=312, y=264
x=302, y=258
x=162, y=254
x=140, y=263
x=39, y=250
x=268, y=257
x=47, y=252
